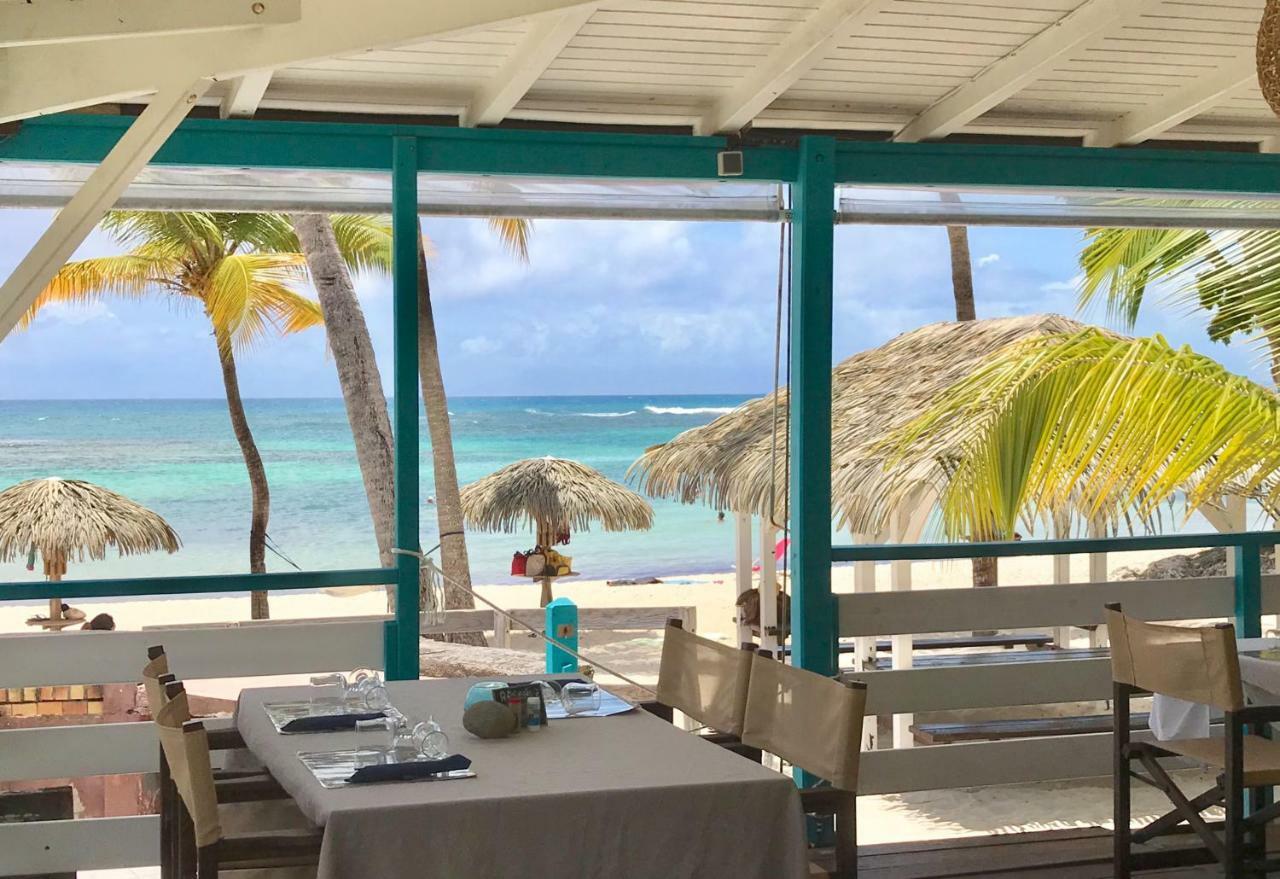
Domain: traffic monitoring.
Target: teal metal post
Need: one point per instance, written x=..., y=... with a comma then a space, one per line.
x=813, y=630
x=405, y=232
x=1249, y=590
x=562, y=628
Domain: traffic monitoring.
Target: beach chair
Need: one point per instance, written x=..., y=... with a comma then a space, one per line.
x=707, y=681
x=186, y=747
x=1198, y=665
x=814, y=723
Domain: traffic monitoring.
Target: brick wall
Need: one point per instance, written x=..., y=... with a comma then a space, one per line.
x=69, y=701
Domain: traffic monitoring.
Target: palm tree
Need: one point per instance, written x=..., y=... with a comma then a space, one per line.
x=240, y=270
x=1098, y=426
x=514, y=233
x=366, y=404
x=1232, y=274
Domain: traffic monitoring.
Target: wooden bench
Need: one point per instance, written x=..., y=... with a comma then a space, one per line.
x=951, y=660
x=1020, y=728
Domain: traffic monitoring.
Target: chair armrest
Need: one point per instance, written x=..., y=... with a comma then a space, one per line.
x=657, y=709
x=1259, y=714
x=223, y=735
x=250, y=789
x=824, y=800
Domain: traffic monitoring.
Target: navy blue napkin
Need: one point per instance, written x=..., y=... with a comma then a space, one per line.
x=413, y=770
x=328, y=722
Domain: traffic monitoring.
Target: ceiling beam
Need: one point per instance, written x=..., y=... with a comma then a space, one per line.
x=795, y=56
x=542, y=45
x=1007, y=76
x=94, y=198
x=1207, y=91
x=47, y=79
x=42, y=22
x=244, y=94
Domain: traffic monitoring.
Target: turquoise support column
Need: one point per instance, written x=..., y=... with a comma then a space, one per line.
x=405, y=232
x=562, y=627
x=1248, y=591
x=813, y=628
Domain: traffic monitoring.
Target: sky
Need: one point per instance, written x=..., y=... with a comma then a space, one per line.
x=602, y=307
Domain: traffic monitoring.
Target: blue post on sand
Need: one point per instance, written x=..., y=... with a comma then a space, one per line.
x=562, y=628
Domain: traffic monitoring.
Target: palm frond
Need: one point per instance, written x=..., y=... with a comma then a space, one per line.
x=514, y=234
x=364, y=241
x=1098, y=423
x=247, y=295
x=1119, y=264
x=129, y=275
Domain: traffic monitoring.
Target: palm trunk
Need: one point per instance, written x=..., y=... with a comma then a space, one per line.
x=358, y=375
x=453, y=541
x=985, y=571
x=261, y=509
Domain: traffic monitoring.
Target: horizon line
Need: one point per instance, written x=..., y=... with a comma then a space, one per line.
x=389, y=398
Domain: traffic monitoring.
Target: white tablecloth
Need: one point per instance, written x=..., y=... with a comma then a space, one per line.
x=1178, y=719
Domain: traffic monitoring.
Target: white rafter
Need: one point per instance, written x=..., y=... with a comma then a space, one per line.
x=1207, y=91
x=795, y=56
x=244, y=94
x=544, y=42
x=37, y=22
x=1006, y=77
x=48, y=79
x=95, y=197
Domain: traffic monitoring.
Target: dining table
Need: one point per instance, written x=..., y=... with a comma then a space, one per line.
x=629, y=795
x=1173, y=718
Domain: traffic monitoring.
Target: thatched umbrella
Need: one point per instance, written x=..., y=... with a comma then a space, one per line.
x=553, y=496
x=727, y=464
x=63, y=519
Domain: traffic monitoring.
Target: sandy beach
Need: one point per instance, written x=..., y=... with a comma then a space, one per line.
x=920, y=815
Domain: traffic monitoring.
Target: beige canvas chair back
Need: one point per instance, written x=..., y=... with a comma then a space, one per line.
x=151, y=674
x=186, y=748
x=704, y=679
x=808, y=720
x=1197, y=664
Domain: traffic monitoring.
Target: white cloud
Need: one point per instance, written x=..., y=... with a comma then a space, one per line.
x=1070, y=284
x=77, y=313
x=987, y=260
x=480, y=345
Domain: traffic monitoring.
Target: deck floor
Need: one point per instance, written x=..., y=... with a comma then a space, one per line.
x=1059, y=854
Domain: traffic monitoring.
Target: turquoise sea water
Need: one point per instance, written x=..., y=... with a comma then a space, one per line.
x=179, y=458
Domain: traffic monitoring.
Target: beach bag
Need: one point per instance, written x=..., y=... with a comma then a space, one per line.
x=535, y=564
x=519, y=564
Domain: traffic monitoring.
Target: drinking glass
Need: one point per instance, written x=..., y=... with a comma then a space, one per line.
x=375, y=739
x=368, y=693
x=430, y=740
x=579, y=698
x=328, y=692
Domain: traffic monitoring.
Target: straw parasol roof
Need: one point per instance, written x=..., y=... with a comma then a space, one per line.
x=69, y=518
x=726, y=464
x=552, y=494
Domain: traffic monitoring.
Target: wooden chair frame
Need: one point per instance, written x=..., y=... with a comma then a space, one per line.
x=1238, y=842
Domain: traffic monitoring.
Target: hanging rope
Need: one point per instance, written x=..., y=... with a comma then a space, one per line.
x=423, y=561
x=271, y=545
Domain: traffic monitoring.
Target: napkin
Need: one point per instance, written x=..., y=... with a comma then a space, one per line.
x=328, y=722
x=412, y=770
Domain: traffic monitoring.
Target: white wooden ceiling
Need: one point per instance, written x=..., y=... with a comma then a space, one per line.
x=1105, y=71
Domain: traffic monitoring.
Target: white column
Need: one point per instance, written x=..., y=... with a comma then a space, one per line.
x=1098, y=574
x=1061, y=575
x=900, y=581
x=864, y=581
x=768, y=587
x=742, y=566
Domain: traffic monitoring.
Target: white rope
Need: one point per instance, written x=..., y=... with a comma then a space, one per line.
x=423, y=560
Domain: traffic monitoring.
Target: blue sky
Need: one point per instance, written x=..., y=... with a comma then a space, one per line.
x=603, y=307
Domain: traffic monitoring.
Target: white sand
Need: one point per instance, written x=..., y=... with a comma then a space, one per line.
x=930, y=814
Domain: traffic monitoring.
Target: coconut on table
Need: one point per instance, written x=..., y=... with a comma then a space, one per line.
x=554, y=497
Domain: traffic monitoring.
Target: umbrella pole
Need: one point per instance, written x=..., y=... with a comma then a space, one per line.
x=544, y=541
x=53, y=571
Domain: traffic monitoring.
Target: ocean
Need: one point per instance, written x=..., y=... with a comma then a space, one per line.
x=179, y=458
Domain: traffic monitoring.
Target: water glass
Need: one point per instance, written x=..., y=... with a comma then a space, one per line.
x=369, y=694
x=328, y=693
x=430, y=740
x=579, y=698
x=375, y=739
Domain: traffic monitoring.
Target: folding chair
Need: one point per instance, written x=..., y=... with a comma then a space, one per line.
x=814, y=723
x=1198, y=665
x=186, y=747
x=707, y=681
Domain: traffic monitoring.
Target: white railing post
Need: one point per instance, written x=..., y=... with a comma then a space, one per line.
x=769, y=622
x=742, y=568
x=1061, y=576
x=1098, y=574
x=864, y=581
x=900, y=581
